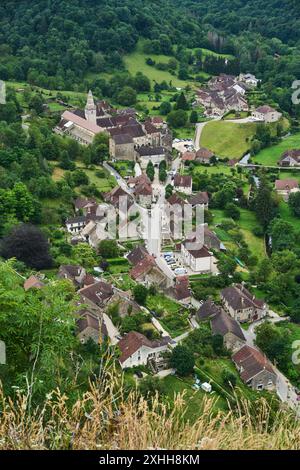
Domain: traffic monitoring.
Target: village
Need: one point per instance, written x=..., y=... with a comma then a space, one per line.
x=149, y=205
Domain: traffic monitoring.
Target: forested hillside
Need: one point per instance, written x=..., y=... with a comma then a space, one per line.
x=58, y=45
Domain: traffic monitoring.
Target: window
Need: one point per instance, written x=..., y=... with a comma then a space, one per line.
x=259, y=387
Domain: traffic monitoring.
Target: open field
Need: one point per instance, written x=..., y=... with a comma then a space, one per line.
x=287, y=215
x=208, y=52
x=271, y=155
x=194, y=398
x=136, y=62
x=76, y=98
x=246, y=224
x=227, y=139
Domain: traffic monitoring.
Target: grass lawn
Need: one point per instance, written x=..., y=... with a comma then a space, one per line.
x=75, y=98
x=215, y=367
x=233, y=115
x=212, y=170
x=208, y=52
x=227, y=139
x=287, y=215
x=271, y=155
x=246, y=224
x=136, y=62
x=105, y=184
x=173, y=315
x=124, y=168
x=122, y=281
x=193, y=398
x=119, y=268
x=293, y=335
x=58, y=174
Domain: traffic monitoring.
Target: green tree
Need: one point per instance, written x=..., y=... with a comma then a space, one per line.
x=294, y=203
x=182, y=360
x=109, y=249
x=264, y=204
x=165, y=108
x=36, y=103
x=150, y=171
x=29, y=245
x=273, y=342
x=177, y=118
x=194, y=117
x=283, y=235
x=231, y=210
x=127, y=96
x=182, y=103
x=140, y=294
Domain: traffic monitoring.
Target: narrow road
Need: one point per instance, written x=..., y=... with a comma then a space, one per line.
x=284, y=388
x=151, y=232
x=199, y=128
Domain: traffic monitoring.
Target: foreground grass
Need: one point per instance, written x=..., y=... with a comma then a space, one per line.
x=105, y=417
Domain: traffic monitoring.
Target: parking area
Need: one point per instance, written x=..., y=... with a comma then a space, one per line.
x=175, y=261
x=183, y=145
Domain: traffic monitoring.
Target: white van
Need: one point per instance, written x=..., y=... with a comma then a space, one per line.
x=180, y=271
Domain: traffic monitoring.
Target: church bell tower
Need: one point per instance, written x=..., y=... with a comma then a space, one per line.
x=90, y=109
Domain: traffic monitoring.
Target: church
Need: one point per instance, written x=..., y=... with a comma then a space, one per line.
x=126, y=133
x=84, y=125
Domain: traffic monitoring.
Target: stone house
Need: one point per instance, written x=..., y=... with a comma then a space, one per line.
x=286, y=187
x=86, y=206
x=145, y=269
x=183, y=183
x=204, y=155
x=224, y=325
x=126, y=305
x=198, y=259
x=249, y=79
x=97, y=294
x=154, y=138
x=211, y=241
x=266, y=114
x=153, y=154
x=121, y=147
x=76, y=274
x=242, y=305
x=137, y=350
x=207, y=310
x=95, y=232
x=290, y=158
x=143, y=193
x=255, y=369
x=199, y=199
x=90, y=326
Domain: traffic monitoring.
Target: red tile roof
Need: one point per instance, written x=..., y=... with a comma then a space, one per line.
x=251, y=362
x=33, y=282
x=286, y=184
x=182, y=181
x=133, y=341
